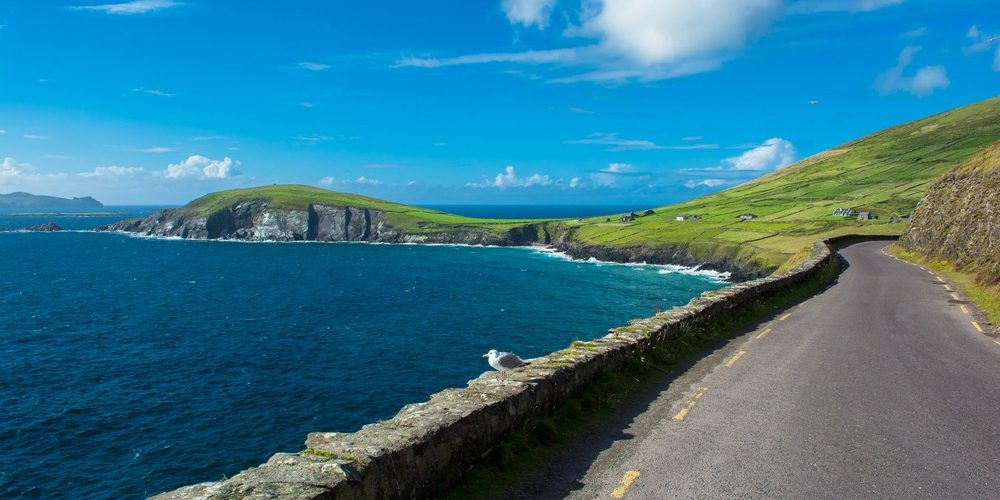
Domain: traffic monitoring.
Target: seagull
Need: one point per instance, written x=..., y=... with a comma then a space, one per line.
x=503, y=361
x=993, y=39
x=814, y=102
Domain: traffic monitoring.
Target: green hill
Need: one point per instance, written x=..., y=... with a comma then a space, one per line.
x=886, y=173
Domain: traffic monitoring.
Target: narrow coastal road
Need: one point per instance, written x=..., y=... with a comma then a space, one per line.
x=879, y=387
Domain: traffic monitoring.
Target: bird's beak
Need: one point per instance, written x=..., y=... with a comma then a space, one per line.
x=486, y=355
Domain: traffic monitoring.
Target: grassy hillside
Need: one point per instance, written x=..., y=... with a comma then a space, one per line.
x=886, y=173
x=412, y=219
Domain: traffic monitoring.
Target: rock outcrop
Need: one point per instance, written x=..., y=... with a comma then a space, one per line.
x=959, y=218
x=257, y=220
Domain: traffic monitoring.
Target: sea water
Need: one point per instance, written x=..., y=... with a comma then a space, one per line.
x=131, y=366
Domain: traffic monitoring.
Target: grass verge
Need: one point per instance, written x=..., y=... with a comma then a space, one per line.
x=528, y=447
x=985, y=297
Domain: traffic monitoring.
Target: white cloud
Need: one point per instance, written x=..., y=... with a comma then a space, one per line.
x=640, y=39
x=327, y=181
x=205, y=168
x=313, y=66
x=11, y=167
x=691, y=184
x=158, y=93
x=915, y=33
x=128, y=8
x=622, y=144
x=35, y=137
x=574, y=182
x=581, y=111
x=370, y=182
x=156, y=149
x=772, y=154
x=615, y=174
x=509, y=178
x=528, y=12
x=2, y=131
x=112, y=171
x=312, y=138
x=306, y=104
x=923, y=83
x=619, y=168
x=842, y=5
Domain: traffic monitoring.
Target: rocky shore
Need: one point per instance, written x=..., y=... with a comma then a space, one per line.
x=256, y=220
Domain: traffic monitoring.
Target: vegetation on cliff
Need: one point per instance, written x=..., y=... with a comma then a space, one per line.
x=956, y=228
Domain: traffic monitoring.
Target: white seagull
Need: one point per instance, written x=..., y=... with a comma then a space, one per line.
x=503, y=361
x=814, y=102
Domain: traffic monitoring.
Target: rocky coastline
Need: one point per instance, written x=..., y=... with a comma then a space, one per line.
x=256, y=220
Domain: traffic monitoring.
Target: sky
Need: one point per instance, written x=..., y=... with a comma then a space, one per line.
x=472, y=102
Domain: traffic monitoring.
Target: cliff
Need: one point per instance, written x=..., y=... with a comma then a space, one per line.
x=959, y=218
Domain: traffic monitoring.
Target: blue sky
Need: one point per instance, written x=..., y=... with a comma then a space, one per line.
x=512, y=101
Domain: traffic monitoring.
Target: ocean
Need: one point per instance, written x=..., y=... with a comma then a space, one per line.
x=131, y=366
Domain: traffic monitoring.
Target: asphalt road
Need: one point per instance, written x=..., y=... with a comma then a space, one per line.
x=879, y=387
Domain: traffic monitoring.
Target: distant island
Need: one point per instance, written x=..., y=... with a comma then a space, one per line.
x=21, y=201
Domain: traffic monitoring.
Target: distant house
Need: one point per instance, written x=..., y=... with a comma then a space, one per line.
x=648, y=212
x=866, y=216
x=844, y=212
x=627, y=217
x=684, y=217
x=748, y=216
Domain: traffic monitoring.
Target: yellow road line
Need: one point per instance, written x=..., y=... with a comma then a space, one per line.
x=976, y=325
x=763, y=334
x=694, y=399
x=732, y=361
x=783, y=318
x=955, y=297
x=964, y=309
x=627, y=481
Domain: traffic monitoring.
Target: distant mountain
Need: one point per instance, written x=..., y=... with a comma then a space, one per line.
x=21, y=200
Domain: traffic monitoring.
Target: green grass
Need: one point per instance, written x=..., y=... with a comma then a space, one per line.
x=986, y=297
x=527, y=448
x=886, y=173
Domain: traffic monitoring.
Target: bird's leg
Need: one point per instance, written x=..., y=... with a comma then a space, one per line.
x=500, y=375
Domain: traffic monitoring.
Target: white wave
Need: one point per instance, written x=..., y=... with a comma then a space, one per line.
x=718, y=276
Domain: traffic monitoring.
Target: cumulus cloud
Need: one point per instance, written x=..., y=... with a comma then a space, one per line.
x=575, y=182
x=327, y=181
x=528, y=12
x=11, y=167
x=710, y=183
x=370, y=182
x=923, y=83
x=618, y=143
x=112, y=171
x=773, y=154
x=509, y=179
x=638, y=39
x=204, y=168
x=129, y=8
x=313, y=66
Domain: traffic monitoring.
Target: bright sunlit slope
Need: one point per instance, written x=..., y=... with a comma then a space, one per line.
x=886, y=173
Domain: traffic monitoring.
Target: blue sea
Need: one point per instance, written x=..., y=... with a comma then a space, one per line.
x=131, y=366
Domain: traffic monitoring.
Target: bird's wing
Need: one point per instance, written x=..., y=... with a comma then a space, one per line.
x=509, y=360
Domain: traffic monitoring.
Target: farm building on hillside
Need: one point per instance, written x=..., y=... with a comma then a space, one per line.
x=649, y=212
x=844, y=212
x=867, y=216
x=684, y=217
x=748, y=216
x=627, y=217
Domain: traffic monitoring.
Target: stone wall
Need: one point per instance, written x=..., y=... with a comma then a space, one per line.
x=428, y=446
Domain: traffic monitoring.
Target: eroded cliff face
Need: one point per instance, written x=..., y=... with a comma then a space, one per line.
x=959, y=217
x=256, y=220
